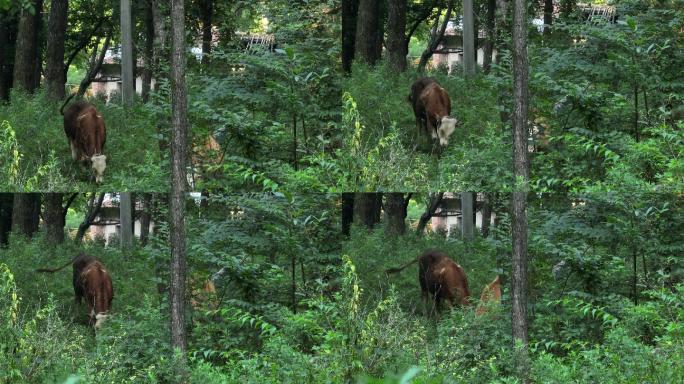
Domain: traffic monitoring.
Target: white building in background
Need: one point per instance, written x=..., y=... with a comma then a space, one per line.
x=448, y=219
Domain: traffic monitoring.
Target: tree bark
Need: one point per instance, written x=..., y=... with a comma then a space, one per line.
x=26, y=213
x=548, y=16
x=436, y=36
x=178, y=178
x=206, y=16
x=367, y=208
x=127, y=63
x=148, y=51
x=347, y=212
x=145, y=218
x=54, y=217
x=367, y=29
x=490, y=26
x=396, y=34
x=435, y=200
x=126, y=219
x=467, y=213
x=6, y=207
x=469, y=37
x=26, y=53
x=8, y=37
x=395, y=214
x=521, y=172
x=350, y=9
x=55, y=76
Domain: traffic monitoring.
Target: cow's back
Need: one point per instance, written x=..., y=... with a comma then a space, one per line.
x=435, y=101
x=71, y=115
x=88, y=129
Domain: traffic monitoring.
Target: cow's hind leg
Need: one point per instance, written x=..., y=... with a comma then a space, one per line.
x=74, y=152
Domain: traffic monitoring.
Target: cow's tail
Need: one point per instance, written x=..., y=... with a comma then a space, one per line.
x=51, y=270
x=61, y=110
x=399, y=269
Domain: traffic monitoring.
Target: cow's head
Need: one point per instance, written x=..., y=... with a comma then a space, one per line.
x=445, y=127
x=99, y=163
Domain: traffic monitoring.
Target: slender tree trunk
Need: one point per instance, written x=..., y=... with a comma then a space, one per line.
x=178, y=177
x=396, y=34
x=6, y=207
x=436, y=36
x=521, y=172
x=491, y=36
x=91, y=214
x=486, y=214
x=367, y=29
x=206, y=15
x=126, y=219
x=54, y=57
x=435, y=201
x=8, y=37
x=54, y=217
x=26, y=52
x=127, y=63
x=159, y=16
x=467, y=214
x=26, y=213
x=350, y=9
x=347, y=212
x=548, y=16
x=469, y=37
x=395, y=214
x=148, y=51
x=145, y=218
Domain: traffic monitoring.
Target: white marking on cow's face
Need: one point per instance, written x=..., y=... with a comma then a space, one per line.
x=99, y=165
x=446, y=128
x=99, y=319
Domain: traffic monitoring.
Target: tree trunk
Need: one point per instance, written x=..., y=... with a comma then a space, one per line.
x=145, y=218
x=347, y=212
x=491, y=36
x=367, y=29
x=54, y=217
x=395, y=214
x=26, y=53
x=8, y=36
x=159, y=16
x=435, y=200
x=178, y=178
x=125, y=219
x=26, y=213
x=521, y=172
x=548, y=16
x=350, y=9
x=469, y=37
x=54, y=57
x=467, y=213
x=396, y=34
x=148, y=52
x=206, y=15
x=436, y=37
x=367, y=208
x=6, y=207
x=91, y=214
x=127, y=64
x=486, y=214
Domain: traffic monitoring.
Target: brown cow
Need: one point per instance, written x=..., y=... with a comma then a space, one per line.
x=490, y=294
x=91, y=280
x=86, y=131
x=432, y=108
x=441, y=277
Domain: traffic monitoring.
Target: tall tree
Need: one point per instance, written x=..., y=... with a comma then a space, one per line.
x=178, y=176
x=26, y=57
x=469, y=59
x=26, y=213
x=8, y=37
x=127, y=61
x=148, y=51
x=395, y=213
x=126, y=219
x=521, y=172
x=467, y=213
x=350, y=10
x=367, y=30
x=53, y=217
x=490, y=27
x=206, y=16
x=54, y=58
x=397, y=48
x=347, y=212
x=548, y=16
